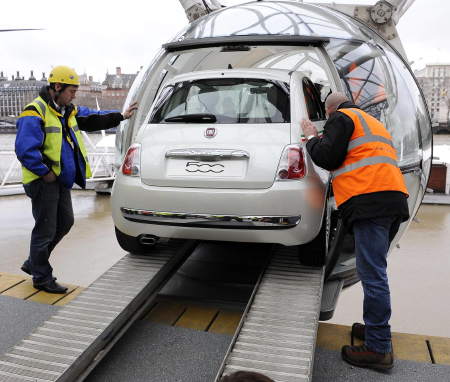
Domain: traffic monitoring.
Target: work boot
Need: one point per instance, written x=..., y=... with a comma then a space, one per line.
x=359, y=331
x=25, y=268
x=51, y=287
x=361, y=356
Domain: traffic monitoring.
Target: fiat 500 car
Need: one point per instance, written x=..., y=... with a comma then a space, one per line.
x=220, y=157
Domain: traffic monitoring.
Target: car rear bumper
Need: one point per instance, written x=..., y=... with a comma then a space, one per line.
x=209, y=220
x=269, y=215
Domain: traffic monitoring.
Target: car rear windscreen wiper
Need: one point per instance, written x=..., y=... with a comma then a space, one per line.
x=196, y=118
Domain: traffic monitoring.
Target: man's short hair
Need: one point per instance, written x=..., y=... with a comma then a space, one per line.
x=246, y=376
x=335, y=99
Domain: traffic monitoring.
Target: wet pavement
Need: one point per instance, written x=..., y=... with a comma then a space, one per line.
x=84, y=254
x=419, y=276
x=418, y=271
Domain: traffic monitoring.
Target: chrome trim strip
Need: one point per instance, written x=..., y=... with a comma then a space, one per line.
x=210, y=221
x=207, y=154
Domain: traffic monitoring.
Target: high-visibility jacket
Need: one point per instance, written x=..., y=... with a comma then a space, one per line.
x=371, y=161
x=51, y=148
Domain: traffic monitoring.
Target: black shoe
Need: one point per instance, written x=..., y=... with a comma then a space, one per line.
x=51, y=287
x=361, y=356
x=25, y=268
x=358, y=331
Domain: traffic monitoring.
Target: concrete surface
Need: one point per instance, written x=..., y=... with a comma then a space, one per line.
x=84, y=254
x=153, y=352
x=19, y=318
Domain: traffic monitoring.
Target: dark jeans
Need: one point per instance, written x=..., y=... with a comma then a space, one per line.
x=53, y=215
x=372, y=240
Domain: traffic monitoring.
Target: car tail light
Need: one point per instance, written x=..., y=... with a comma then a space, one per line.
x=292, y=163
x=132, y=161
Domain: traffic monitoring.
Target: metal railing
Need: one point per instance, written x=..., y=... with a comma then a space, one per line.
x=102, y=166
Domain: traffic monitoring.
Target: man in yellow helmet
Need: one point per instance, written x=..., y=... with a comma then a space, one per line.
x=50, y=147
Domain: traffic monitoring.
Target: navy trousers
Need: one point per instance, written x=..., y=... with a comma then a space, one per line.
x=372, y=240
x=53, y=215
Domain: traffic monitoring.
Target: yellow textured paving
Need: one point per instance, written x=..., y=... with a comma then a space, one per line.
x=8, y=281
x=441, y=349
x=197, y=317
x=411, y=347
x=69, y=297
x=166, y=312
x=23, y=290
x=332, y=337
x=50, y=298
x=226, y=322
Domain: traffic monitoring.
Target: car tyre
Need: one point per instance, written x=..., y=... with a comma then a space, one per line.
x=131, y=243
x=315, y=252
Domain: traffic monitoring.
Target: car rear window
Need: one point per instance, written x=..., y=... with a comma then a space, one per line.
x=224, y=100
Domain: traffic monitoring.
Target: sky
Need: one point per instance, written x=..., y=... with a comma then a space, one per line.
x=95, y=37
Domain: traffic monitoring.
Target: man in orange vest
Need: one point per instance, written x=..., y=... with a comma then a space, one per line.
x=371, y=195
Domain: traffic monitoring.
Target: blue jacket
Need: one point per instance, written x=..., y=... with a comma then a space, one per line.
x=30, y=137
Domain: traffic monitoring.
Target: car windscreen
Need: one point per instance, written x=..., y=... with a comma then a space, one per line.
x=223, y=100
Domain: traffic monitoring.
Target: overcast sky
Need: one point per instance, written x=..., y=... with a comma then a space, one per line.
x=96, y=36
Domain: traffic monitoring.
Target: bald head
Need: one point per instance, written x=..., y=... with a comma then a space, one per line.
x=333, y=101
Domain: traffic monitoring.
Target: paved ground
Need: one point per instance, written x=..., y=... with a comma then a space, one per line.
x=157, y=352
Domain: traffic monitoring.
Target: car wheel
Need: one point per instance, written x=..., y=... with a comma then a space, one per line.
x=132, y=244
x=315, y=252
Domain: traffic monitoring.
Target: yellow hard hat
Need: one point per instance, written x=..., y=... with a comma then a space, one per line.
x=64, y=75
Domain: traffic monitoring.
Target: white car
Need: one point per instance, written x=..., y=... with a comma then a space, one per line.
x=220, y=157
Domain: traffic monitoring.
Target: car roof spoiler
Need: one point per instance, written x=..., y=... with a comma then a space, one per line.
x=234, y=41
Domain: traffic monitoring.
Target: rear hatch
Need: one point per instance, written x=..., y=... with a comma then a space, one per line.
x=216, y=133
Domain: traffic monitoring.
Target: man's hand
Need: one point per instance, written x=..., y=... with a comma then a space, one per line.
x=308, y=128
x=130, y=111
x=50, y=177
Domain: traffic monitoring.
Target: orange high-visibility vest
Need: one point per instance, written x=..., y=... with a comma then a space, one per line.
x=371, y=161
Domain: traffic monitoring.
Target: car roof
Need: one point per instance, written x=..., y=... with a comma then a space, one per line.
x=271, y=74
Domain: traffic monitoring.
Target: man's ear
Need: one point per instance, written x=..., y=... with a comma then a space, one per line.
x=58, y=87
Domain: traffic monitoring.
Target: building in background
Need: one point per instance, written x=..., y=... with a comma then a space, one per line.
x=434, y=80
x=17, y=92
x=89, y=92
x=115, y=89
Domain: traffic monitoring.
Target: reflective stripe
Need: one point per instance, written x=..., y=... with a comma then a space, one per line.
x=365, y=162
x=75, y=128
x=41, y=106
x=30, y=113
x=368, y=136
x=363, y=121
x=369, y=139
x=52, y=129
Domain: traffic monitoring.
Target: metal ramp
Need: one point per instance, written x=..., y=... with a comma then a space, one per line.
x=277, y=333
x=71, y=342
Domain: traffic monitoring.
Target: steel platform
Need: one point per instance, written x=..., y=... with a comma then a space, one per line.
x=277, y=333
x=64, y=347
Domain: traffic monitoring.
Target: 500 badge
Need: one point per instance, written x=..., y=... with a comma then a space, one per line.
x=216, y=168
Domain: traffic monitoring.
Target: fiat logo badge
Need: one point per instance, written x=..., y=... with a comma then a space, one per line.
x=210, y=132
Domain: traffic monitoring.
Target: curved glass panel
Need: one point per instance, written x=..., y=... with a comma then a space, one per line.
x=273, y=18
x=377, y=81
x=363, y=74
x=223, y=100
x=411, y=111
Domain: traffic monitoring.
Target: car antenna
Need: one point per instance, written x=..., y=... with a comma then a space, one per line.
x=229, y=66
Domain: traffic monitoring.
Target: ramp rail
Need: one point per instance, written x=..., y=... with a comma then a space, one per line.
x=277, y=332
x=68, y=345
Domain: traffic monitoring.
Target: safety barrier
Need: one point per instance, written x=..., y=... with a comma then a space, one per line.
x=102, y=165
